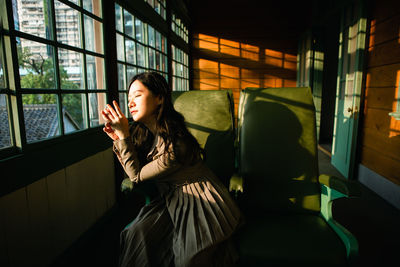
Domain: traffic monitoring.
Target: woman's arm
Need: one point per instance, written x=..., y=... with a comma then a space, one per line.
x=158, y=168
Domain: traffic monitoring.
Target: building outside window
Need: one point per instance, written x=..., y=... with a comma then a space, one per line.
x=60, y=80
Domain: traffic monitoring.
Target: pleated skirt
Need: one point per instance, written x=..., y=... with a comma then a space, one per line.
x=191, y=226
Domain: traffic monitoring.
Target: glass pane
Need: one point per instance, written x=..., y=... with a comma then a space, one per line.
x=118, y=17
x=93, y=6
x=121, y=77
x=95, y=72
x=130, y=72
x=165, y=65
x=152, y=59
x=120, y=48
x=164, y=44
x=93, y=35
x=158, y=41
x=158, y=60
x=32, y=17
x=141, y=55
x=40, y=116
x=123, y=103
x=139, y=31
x=130, y=51
x=97, y=102
x=74, y=112
x=36, y=68
x=71, y=69
x=68, y=24
x=128, y=21
x=2, y=70
x=76, y=2
x=151, y=33
x=5, y=138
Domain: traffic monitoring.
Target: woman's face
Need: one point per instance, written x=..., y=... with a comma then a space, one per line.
x=142, y=103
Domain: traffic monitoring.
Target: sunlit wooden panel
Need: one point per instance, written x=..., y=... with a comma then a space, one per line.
x=58, y=216
x=395, y=124
x=206, y=84
x=383, y=76
x=290, y=62
x=230, y=43
x=205, y=74
x=289, y=83
x=230, y=83
x=205, y=64
x=14, y=207
x=229, y=71
x=249, y=74
x=380, y=55
x=231, y=51
x=372, y=35
x=278, y=83
x=273, y=58
x=381, y=97
x=208, y=42
x=244, y=83
x=250, y=52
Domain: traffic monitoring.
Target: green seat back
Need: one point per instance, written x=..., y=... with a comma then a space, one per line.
x=209, y=117
x=278, y=150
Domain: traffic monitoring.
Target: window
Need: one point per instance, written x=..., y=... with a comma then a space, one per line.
x=179, y=28
x=160, y=6
x=60, y=80
x=140, y=47
x=180, y=70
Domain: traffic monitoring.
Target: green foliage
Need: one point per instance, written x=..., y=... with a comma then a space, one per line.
x=41, y=75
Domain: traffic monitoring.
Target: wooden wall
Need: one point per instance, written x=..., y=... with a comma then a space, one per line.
x=380, y=141
x=40, y=221
x=239, y=44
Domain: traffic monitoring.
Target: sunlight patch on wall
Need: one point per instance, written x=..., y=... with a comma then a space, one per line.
x=394, y=119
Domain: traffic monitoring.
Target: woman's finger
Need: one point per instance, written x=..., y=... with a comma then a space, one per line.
x=117, y=109
x=112, y=112
x=105, y=116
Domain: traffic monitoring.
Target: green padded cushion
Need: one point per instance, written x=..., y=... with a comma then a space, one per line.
x=278, y=150
x=209, y=117
x=290, y=240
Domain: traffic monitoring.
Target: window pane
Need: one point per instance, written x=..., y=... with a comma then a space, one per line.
x=76, y=2
x=93, y=35
x=74, y=112
x=40, y=116
x=121, y=77
x=5, y=138
x=32, y=17
x=68, y=24
x=130, y=72
x=130, y=51
x=141, y=55
x=139, y=30
x=118, y=17
x=152, y=59
x=2, y=70
x=152, y=40
x=95, y=72
x=93, y=6
x=71, y=72
x=128, y=20
x=158, y=41
x=123, y=103
x=97, y=102
x=36, y=68
x=120, y=48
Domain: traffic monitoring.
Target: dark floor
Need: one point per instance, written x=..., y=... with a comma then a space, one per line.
x=374, y=222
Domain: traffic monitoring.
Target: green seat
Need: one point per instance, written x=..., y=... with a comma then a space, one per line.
x=209, y=117
x=287, y=207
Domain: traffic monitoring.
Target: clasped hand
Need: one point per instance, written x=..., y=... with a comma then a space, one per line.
x=116, y=124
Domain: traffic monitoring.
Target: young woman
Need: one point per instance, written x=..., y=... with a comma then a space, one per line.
x=192, y=221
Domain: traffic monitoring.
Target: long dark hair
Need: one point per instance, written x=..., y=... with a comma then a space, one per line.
x=170, y=124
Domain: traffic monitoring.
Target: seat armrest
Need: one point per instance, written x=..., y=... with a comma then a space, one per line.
x=146, y=189
x=333, y=188
x=346, y=187
x=236, y=184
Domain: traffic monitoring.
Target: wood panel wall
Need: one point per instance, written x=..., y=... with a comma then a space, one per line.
x=380, y=141
x=238, y=44
x=40, y=221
